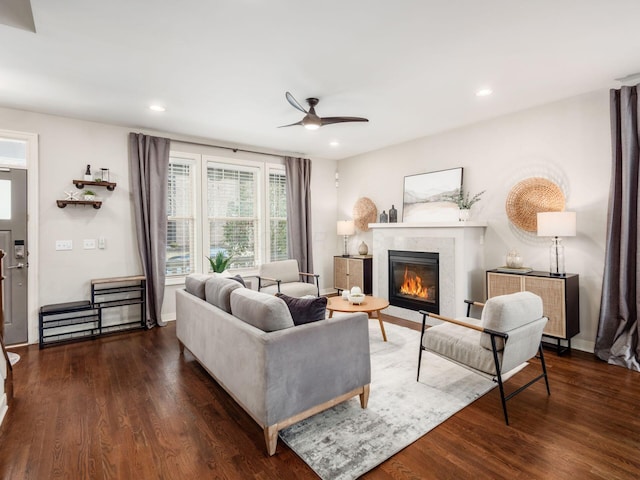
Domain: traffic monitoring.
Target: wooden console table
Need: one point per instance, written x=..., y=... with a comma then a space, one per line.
x=560, y=299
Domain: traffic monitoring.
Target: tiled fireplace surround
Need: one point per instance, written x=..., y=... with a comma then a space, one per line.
x=461, y=250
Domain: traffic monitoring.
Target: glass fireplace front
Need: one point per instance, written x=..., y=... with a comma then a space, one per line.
x=414, y=280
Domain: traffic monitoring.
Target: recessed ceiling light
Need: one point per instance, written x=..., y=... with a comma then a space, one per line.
x=334, y=143
x=157, y=108
x=485, y=92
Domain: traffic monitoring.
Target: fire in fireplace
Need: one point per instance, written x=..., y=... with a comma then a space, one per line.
x=413, y=280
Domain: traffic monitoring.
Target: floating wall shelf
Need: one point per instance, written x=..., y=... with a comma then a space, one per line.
x=81, y=183
x=95, y=203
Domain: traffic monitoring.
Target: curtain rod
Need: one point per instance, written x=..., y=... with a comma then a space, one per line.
x=226, y=148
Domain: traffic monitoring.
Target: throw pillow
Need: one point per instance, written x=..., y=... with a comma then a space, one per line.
x=305, y=310
x=238, y=279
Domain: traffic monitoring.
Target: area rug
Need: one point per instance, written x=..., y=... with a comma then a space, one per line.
x=346, y=441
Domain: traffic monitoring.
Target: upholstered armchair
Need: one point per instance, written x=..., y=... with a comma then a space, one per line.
x=508, y=334
x=285, y=277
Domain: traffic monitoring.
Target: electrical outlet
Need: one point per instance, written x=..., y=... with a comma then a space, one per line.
x=64, y=244
x=89, y=243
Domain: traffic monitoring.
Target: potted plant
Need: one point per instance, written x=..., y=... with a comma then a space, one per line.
x=89, y=195
x=464, y=201
x=220, y=262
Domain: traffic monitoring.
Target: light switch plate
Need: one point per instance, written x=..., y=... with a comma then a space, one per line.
x=64, y=244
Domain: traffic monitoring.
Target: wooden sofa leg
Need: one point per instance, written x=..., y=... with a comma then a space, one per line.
x=181, y=345
x=271, y=438
x=364, y=396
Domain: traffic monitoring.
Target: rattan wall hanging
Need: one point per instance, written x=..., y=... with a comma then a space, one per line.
x=364, y=213
x=531, y=196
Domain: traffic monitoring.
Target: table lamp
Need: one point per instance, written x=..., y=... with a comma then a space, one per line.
x=556, y=224
x=346, y=228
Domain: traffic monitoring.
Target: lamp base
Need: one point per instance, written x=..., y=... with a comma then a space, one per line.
x=346, y=250
x=556, y=258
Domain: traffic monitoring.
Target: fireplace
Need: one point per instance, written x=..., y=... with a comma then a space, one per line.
x=414, y=280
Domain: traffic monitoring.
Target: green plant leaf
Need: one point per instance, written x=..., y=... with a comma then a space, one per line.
x=220, y=262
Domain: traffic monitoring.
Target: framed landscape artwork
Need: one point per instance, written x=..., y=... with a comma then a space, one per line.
x=425, y=196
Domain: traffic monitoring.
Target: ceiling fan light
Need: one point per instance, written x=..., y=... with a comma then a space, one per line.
x=311, y=122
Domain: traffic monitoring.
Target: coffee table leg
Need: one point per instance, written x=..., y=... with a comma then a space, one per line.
x=330, y=313
x=377, y=312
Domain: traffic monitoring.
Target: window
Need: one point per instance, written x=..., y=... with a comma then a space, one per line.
x=233, y=212
x=181, y=216
x=277, y=216
x=13, y=152
x=238, y=208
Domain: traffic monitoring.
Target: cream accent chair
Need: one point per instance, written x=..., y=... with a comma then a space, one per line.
x=284, y=277
x=508, y=334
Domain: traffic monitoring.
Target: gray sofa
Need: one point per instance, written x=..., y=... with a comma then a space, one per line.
x=279, y=373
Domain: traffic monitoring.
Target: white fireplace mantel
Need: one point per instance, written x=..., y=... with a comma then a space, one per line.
x=460, y=246
x=467, y=224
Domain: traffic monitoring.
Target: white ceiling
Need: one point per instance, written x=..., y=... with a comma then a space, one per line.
x=221, y=67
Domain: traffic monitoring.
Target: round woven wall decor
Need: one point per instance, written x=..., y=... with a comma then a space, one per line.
x=364, y=213
x=531, y=196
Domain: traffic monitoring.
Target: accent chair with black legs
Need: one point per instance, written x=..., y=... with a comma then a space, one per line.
x=508, y=334
x=284, y=276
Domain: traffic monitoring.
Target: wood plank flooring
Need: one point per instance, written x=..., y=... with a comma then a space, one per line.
x=131, y=407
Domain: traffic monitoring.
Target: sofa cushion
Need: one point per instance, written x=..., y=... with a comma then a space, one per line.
x=263, y=311
x=194, y=284
x=218, y=292
x=305, y=310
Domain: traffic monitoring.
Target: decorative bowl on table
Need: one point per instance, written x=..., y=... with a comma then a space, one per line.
x=356, y=298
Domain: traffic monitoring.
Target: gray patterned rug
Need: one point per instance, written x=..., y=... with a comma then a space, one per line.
x=346, y=441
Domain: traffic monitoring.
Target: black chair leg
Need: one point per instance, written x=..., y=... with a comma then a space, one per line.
x=503, y=399
x=424, y=323
x=496, y=362
x=544, y=369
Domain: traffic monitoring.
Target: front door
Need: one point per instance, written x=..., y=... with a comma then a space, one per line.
x=13, y=240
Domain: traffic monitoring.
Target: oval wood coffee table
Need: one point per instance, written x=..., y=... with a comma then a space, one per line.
x=370, y=306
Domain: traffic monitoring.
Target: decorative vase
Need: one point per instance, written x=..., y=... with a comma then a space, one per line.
x=89, y=197
x=363, y=249
x=514, y=260
x=464, y=214
x=383, y=217
x=393, y=214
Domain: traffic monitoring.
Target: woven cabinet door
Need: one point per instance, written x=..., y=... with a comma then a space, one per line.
x=552, y=292
x=341, y=273
x=356, y=273
x=503, y=284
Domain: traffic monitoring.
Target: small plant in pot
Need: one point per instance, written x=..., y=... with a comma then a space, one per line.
x=464, y=201
x=220, y=262
x=89, y=195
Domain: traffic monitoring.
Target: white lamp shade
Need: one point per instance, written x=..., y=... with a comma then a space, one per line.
x=557, y=224
x=346, y=227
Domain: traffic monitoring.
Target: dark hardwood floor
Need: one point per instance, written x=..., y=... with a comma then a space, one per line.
x=131, y=407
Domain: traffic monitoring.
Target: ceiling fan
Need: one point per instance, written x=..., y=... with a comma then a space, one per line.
x=311, y=120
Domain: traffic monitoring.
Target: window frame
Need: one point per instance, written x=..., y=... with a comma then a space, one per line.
x=201, y=163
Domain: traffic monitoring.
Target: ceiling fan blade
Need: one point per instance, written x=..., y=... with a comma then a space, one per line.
x=330, y=120
x=294, y=103
x=291, y=124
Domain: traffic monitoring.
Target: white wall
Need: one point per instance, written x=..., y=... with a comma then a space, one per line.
x=567, y=141
x=66, y=146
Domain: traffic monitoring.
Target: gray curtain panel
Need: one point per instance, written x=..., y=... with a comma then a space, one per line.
x=298, y=171
x=148, y=167
x=618, y=330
